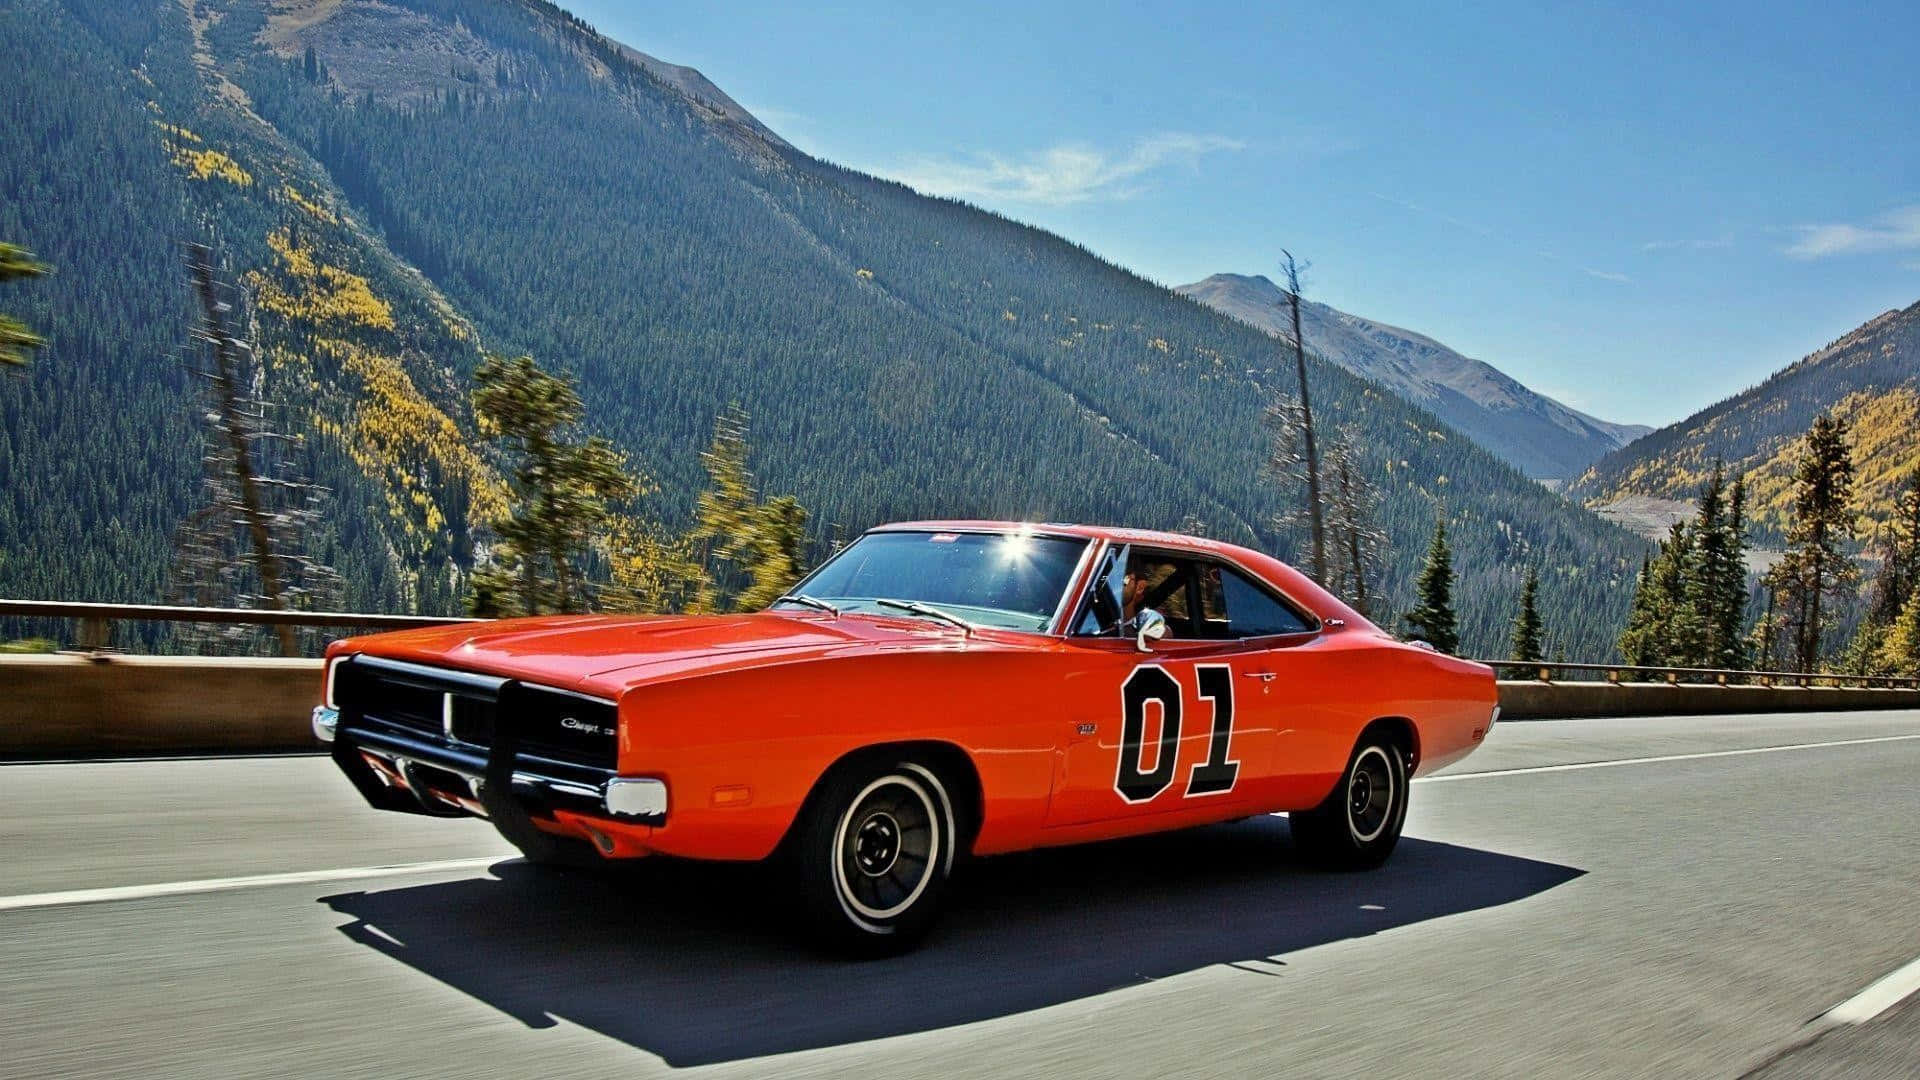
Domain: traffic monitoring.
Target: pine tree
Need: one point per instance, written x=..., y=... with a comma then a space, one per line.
x=780, y=553
x=1286, y=463
x=1639, y=641
x=1900, y=651
x=1815, y=567
x=1526, y=625
x=1665, y=627
x=1730, y=606
x=565, y=490
x=1690, y=602
x=1432, y=620
x=750, y=551
x=1899, y=576
x=649, y=570
x=1352, y=528
x=1862, y=655
x=1716, y=578
x=15, y=339
x=1770, y=631
x=1894, y=586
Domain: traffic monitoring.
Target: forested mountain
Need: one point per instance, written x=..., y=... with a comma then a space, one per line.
x=1536, y=434
x=1871, y=377
x=401, y=185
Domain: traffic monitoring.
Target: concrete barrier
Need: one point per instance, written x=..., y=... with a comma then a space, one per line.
x=66, y=705
x=1529, y=700
x=75, y=706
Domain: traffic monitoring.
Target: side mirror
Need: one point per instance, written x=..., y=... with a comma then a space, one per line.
x=1148, y=627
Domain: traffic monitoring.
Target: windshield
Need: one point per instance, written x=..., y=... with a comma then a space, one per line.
x=1013, y=581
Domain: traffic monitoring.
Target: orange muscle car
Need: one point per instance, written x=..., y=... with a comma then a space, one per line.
x=935, y=689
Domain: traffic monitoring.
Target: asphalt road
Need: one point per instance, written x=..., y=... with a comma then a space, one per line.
x=1683, y=916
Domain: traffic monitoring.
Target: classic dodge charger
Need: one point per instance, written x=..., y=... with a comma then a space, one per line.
x=934, y=690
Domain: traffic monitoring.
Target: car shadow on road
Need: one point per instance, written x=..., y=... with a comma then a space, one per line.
x=695, y=963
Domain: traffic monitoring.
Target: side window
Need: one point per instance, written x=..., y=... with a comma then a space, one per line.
x=1213, y=601
x=1157, y=582
x=1251, y=611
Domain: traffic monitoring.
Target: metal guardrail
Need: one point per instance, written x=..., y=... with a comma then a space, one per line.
x=1676, y=676
x=95, y=618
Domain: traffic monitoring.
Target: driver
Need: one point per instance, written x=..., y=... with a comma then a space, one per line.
x=1133, y=593
x=1147, y=585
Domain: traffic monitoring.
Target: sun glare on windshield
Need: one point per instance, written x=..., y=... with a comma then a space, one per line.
x=1017, y=547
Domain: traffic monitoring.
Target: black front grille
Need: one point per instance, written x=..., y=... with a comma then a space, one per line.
x=458, y=708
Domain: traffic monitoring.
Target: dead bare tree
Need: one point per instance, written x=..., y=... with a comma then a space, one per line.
x=1357, y=539
x=241, y=548
x=1310, y=453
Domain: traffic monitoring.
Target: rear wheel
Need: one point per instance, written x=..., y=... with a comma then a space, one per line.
x=1359, y=823
x=872, y=852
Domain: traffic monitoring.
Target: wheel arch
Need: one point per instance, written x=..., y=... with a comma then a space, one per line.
x=949, y=761
x=1400, y=730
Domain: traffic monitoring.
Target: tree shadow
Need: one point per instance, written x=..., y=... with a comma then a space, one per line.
x=694, y=963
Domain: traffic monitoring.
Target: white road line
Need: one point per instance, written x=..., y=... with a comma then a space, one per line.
x=207, y=885
x=146, y=759
x=1664, y=757
x=1907, y=977
x=1876, y=999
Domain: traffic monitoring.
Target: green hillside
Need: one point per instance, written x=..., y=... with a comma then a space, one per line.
x=1870, y=376
x=450, y=175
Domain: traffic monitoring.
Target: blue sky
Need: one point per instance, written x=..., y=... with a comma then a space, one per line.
x=1638, y=210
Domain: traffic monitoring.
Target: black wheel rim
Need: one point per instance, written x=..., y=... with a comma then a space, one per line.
x=886, y=847
x=1370, y=794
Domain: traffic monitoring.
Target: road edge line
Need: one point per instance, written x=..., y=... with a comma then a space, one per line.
x=1880, y=995
x=1609, y=763
x=72, y=897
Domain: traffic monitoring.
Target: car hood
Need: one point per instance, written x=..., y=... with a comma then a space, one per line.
x=606, y=654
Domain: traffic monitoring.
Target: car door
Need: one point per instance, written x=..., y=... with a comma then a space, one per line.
x=1284, y=691
x=1160, y=732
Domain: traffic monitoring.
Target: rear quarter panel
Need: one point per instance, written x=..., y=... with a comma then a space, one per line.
x=1345, y=681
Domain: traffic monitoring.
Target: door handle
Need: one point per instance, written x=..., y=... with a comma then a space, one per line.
x=1263, y=676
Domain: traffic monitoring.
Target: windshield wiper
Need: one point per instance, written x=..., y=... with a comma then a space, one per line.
x=808, y=601
x=918, y=608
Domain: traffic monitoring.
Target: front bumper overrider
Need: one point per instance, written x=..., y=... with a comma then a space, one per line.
x=406, y=769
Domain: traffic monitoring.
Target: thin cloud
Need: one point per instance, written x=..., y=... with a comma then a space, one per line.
x=1895, y=230
x=1482, y=230
x=1448, y=218
x=1063, y=174
x=1653, y=246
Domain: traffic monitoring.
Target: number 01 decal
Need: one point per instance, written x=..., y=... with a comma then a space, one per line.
x=1151, y=684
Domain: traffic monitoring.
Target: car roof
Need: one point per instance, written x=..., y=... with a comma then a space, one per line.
x=1298, y=586
x=1054, y=528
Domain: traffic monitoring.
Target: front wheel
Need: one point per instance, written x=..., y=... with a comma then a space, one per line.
x=873, y=851
x=1357, y=826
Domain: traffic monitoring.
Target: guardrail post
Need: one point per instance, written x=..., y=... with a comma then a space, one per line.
x=1613, y=676
x=1546, y=674
x=1673, y=678
x=95, y=633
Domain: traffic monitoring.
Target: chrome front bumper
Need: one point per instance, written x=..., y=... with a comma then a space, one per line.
x=642, y=800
